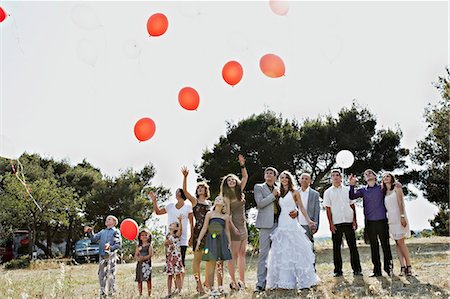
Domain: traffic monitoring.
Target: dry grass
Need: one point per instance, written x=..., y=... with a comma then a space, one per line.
x=430, y=256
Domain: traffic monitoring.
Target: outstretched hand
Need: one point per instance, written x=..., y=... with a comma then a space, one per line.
x=184, y=171
x=152, y=196
x=241, y=160
x=352, y=180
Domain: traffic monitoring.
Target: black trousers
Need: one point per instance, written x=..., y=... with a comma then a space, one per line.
x=379, y=230
x=341, y=229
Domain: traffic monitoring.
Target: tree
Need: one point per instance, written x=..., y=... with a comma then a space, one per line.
x=433, y=153
x=267, y=139
x=122, y=197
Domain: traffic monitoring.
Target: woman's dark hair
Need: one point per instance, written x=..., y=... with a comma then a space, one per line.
x=383, y=185
x=183, y=196
x=149, y=236
x=290, y=184
x=206, y=186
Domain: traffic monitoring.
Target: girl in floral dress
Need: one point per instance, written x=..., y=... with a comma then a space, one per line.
x=143, y=255
x=174, y=265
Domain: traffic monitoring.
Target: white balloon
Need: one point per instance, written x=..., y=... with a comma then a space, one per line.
x=85, y=17
x=87, y=51
x=345, y=159
x=279, y=7
x=7, y=148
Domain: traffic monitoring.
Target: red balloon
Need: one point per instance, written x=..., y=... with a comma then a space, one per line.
x=3, y=14
x=232, y=72
x=272, y=66
x=188, y=98
x=157, y=24
x=129, y=229
x=144, y=129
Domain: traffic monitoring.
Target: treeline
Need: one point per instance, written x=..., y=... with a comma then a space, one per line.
x=68, y=198
x=71, y=196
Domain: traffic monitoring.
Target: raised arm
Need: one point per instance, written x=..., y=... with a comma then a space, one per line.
x=203, y=231
x=352, y=194
x=189, y=196
x=261, y=201
x=90, y=233
x=158, y=211
x=244, y=173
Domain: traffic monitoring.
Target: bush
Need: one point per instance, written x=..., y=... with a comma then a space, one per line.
x=253, y=237
x=426, y=233
x=19, y=263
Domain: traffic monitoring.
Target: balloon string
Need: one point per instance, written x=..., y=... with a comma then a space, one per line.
x=22, y=181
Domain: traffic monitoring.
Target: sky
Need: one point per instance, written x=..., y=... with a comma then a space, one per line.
x=76, y=76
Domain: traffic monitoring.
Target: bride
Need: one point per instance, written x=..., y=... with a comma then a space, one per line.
x=290, y=264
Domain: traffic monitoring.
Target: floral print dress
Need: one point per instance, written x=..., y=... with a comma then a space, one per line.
x=174, y=264
x=144, y=269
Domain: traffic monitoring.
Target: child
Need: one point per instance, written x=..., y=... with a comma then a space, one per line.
x=218, y=240
x=109, y=242
x=174, y=265
x=143, y=255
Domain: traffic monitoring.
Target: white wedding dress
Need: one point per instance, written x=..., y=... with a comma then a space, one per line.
x=290, y=264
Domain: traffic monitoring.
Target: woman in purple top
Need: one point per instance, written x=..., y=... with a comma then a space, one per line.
x=377, y=224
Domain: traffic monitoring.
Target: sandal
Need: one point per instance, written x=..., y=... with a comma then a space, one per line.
x=402, y=271
x=233, y=286
x=241, y=285
x=221, y=290
x=408, y=271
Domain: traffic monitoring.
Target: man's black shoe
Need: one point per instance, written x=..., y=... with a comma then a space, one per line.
x=375, y=274
x=337, y=274
x=357, y=273
x=258, y=290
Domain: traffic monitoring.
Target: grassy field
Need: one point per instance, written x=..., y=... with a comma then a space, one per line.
x=430, y=261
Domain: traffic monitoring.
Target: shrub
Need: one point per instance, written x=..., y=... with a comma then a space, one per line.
x=19, y=263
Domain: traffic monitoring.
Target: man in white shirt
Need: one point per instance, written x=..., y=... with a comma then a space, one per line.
x=341, y=215
x=311, y=202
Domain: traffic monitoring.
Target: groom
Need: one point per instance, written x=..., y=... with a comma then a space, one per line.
x=266, y=198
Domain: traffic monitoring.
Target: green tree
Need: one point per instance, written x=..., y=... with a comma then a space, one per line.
x=123, y=198
x=267, y=139
x=433, y=153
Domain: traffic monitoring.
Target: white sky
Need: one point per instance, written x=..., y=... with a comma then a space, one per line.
x=76, y=76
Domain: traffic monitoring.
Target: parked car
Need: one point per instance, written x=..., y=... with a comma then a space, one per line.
x=85, y=251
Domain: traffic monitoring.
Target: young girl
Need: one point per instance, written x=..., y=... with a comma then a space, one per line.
x=218, y=240
x=143, y=255
x=174, y=265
